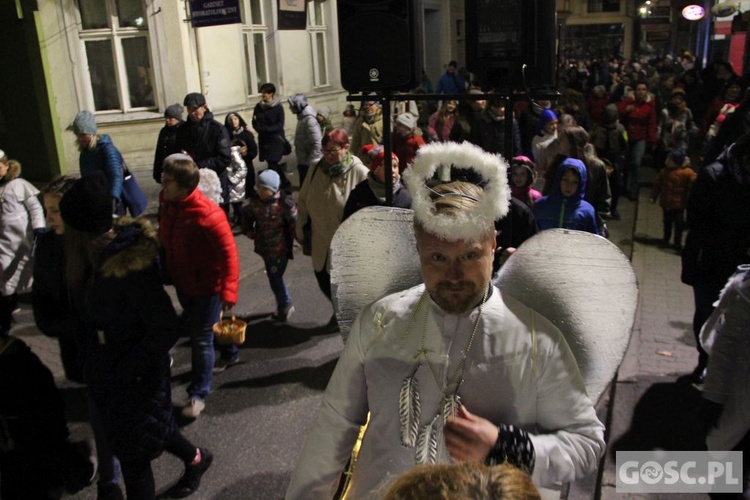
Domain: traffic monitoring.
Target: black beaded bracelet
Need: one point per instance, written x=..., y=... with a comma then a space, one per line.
x=513, y=446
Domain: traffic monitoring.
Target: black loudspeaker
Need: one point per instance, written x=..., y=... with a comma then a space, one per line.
x=512, y=44
x=380, y=44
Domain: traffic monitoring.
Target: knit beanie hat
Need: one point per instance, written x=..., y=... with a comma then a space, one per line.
x=269, y=179
x=84, y=123
x=678, y=156
x=324, y=111
x=407, y=120
x=377, y=160
x=87, y=206
x=174, y=111
x=194, y=99
x=545, y=117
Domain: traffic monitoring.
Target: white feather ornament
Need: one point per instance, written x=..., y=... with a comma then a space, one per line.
x=409, y=409
x=427, y=444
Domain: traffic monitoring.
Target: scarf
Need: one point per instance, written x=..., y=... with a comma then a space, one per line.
x=378, y=189
x=494, y=116
x=336, y=169
x=266, y=105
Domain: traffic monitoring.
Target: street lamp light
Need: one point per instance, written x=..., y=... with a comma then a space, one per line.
x=693, y=12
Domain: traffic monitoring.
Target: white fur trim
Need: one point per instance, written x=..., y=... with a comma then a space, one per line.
x=210, y=185
x=492, y=207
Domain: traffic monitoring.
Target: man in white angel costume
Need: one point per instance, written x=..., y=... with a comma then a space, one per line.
x=451, y=369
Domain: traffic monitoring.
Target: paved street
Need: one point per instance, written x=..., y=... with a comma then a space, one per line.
x=259, y=412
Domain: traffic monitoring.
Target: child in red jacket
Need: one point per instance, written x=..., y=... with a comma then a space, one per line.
x=672, y=187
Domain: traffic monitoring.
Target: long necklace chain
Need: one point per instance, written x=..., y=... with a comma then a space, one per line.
x=422, y=352
x=425, y=439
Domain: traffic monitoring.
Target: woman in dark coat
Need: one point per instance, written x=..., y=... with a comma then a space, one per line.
x=118, y=289
x=718, y=240
x=268, y=121
x=55, y=317
x=371, y=191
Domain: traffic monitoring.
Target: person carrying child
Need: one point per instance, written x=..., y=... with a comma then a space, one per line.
x=269, y=219
x=565, y=207
x=671, y=187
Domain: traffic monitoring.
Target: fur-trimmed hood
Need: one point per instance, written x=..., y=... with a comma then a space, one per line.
x=135, y=248
x=14, y=171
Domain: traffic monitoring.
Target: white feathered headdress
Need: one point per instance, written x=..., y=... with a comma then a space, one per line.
x=442, y=158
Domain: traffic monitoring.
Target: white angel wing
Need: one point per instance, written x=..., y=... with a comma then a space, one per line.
x=581, y=282
x=587, y=287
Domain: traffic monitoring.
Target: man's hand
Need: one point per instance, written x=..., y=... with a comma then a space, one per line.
x=469, y=438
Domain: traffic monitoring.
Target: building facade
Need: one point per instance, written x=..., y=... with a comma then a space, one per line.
x=126, y=60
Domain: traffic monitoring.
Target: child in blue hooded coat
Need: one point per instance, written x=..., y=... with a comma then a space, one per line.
x=565, y=206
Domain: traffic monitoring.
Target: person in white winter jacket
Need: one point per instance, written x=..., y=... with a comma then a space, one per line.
x=21, y=215
x=725, y=412
x=307, y=135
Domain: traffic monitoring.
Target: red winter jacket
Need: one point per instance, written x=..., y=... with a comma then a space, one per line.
x=640, y=121
x=200, y=249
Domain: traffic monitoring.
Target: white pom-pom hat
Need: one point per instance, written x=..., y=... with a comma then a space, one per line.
x=446, y=155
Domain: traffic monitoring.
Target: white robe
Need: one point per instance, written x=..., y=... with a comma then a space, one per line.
x=726, y=338
x=504, y=381
x=20, y=212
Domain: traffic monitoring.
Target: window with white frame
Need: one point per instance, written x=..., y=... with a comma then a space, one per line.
x=114, y=39
x=316, y=26
x=254, y=36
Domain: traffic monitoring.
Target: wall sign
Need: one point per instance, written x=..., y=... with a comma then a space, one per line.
x=292, y=14
x=214, y=12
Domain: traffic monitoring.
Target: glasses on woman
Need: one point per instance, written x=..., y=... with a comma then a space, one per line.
x=329, y=151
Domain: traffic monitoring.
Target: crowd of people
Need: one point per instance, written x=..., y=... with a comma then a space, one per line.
x=98, y=276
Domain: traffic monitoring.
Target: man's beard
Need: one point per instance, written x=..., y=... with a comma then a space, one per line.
x=468, y=296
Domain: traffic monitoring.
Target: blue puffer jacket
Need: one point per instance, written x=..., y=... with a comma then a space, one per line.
x=106, y=158
x=571, y=212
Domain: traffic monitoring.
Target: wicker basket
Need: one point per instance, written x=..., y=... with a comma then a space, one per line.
x=230, y=331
